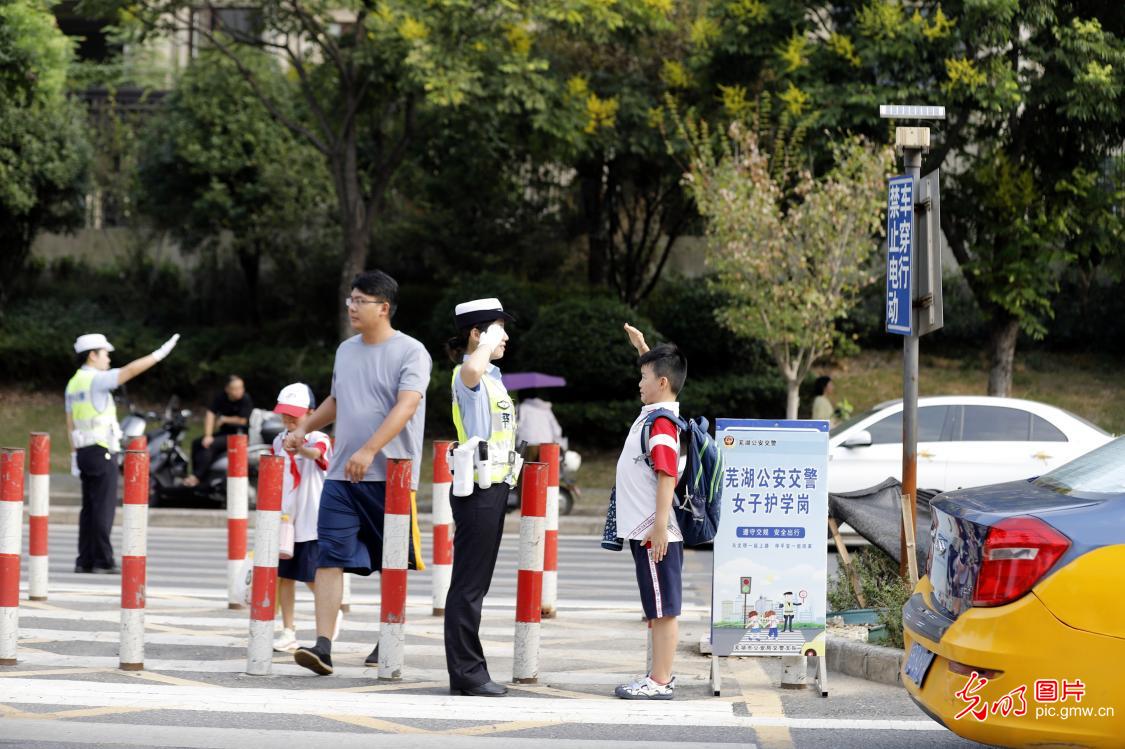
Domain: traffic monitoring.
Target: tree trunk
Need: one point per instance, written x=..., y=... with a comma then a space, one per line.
x=250, y=260
x=792, y=397
x=1004, y=332
x=353, y=222
x=593, y=220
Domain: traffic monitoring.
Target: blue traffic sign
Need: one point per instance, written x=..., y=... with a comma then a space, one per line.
x=900, y=255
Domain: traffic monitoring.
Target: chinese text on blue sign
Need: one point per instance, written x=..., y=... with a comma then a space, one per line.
x=900, y=254
x=770, y=569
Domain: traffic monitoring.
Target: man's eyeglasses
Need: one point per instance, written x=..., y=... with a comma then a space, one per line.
x=354, y=301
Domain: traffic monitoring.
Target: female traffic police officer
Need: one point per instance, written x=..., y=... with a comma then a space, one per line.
x=481, y=409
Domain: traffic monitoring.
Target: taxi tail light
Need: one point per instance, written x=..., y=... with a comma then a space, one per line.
x=1017, y=553
x=965, y=670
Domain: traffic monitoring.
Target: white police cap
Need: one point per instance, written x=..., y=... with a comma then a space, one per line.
x=91, y=342
x=480, y=310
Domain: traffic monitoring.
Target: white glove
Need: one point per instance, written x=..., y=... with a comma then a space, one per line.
x=492, y=337
x=74, y=465
x=166, y=349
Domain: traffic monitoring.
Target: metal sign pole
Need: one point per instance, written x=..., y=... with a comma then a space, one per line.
x=912, y=158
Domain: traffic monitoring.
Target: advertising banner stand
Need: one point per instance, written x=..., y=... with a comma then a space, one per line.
x=770, y=571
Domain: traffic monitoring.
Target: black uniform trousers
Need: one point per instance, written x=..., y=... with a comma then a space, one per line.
x=479, y=520
x=202, y=457
x=98, y=470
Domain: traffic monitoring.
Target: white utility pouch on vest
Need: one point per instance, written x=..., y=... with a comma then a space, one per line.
x=464, y=455
x=82, y=439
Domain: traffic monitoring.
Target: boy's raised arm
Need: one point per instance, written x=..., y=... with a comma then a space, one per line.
x=637, y=339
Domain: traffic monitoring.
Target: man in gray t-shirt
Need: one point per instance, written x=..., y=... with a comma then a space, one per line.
x=379, y=383
x=366, y=382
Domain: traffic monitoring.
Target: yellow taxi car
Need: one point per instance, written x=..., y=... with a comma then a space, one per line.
x=1016, y=634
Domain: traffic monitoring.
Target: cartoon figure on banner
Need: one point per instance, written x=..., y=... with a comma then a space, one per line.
x=771, y=620
x=788, y=609
x=755, y=623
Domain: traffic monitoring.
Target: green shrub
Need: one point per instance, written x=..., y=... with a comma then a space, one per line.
x=603, y=424
x=882, y=588
x=683, y=310
x=583, y=340
x=520, y=298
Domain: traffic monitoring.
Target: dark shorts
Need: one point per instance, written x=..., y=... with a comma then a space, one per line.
x=660, y=583
x=302, y=567
x=349, y=527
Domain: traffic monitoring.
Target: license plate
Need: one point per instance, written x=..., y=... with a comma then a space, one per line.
x=918, y=663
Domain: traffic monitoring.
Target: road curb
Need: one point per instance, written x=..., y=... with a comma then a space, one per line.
x=863, y=660
x=167, y=517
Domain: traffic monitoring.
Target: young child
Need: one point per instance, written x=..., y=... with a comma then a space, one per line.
x=304, y=474
x=771, y=620
x=755, y=626
x=645, y=488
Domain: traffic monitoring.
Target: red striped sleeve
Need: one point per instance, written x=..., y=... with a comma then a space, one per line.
x=322, y=445
x=664, y=447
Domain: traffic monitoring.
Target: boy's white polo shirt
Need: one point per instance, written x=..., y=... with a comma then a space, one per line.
x=636, y=482
x=300, y=500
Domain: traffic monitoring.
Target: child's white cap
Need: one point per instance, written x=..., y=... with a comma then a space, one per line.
x=294, y=400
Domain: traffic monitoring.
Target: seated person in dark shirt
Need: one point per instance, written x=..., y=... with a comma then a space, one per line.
x=229, y=414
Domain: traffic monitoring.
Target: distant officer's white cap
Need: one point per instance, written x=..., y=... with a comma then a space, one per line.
x=295, y=400
x=91, y=342
x=480, y=310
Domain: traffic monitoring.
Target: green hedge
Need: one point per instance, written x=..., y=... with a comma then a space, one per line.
x=683, y=310
x=603, y=424
x=583, y=340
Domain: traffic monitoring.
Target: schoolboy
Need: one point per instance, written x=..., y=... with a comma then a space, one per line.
x=645, y=489
x=303, y=479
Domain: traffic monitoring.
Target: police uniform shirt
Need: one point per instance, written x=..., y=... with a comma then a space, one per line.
x=101, y=389
x=476, y=415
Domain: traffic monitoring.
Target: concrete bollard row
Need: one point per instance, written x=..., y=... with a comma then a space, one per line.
x=529, y=584
x=549, y=454
x=238, y=511
x=267, y=539
x=134, y=538
x=38, y=506
x=11, y=539
x=443, y=527
x=396, y=560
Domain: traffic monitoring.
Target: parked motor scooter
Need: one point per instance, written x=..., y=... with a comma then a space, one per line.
x=169, y=464
x=568, y=485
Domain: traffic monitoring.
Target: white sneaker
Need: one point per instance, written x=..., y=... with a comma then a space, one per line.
x=339, y=624
x=647, y=689
x=286, y=642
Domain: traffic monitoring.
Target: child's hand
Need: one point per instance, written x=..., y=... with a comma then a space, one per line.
x=294, y=439
x=637, y=338
x=657, y=541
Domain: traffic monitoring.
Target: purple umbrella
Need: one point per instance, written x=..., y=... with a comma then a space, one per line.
x=527, y=380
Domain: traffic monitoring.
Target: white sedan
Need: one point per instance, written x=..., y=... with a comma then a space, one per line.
x=963, y=440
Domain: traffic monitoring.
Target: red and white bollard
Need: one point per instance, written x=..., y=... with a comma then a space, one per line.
x=134, y=542
x=267, y=539
x=529, y=585
x=38, y=506
x=11, y=537
x=396, y=560
x=238, y=510
x=549, y=454
x=442, y=514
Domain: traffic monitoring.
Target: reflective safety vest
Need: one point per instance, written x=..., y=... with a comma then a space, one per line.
x=787, y=608
x=92, y=427
x=502, y=440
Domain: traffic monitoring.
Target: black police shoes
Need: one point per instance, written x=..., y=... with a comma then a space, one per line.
x=487, y=689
